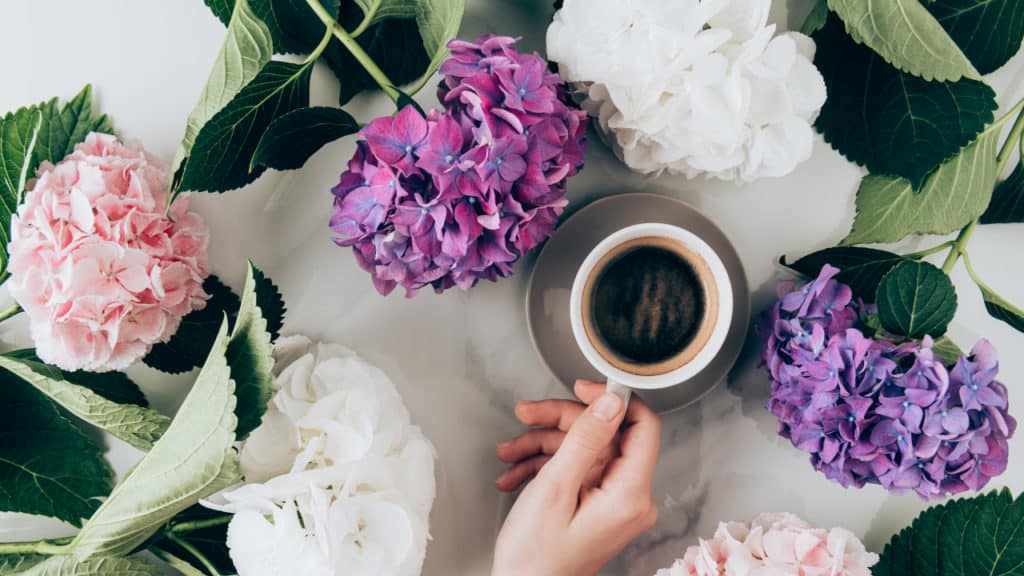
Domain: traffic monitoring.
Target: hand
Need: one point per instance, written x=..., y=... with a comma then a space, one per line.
x=590, y=494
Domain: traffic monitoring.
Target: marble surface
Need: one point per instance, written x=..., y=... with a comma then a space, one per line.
x=463, y=359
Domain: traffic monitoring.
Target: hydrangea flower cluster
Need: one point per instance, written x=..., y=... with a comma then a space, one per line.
x=775, y=544
x=462, y=194
x=338, y=480
x=871, y=411
x=691, y=86
x=99, y=267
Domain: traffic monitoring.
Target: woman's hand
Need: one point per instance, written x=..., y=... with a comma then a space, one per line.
x=591, y=489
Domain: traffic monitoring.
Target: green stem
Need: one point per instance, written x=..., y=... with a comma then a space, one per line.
x=46, y=547
x=192, y=525
x=13, y=310
x=367, y=18
x=319, y=47
x=187, y=546
x=959, y=246
x=1015, y=135
x=356, y=50
x=929, y=251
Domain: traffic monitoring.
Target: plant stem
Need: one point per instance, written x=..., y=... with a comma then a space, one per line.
x=194, y=552
x=367, y=18
x=959, y=246
x=355, y=49
x=46, y=547
x=192, y=525
x=13, y=310
x=1015, y=135
x=929, y=251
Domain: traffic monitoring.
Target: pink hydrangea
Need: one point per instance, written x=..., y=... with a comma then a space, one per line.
x=775, y=544
x=97, y=263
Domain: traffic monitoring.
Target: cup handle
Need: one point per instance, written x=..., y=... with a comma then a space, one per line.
x=620, y=390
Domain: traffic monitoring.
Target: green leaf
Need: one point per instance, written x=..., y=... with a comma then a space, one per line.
x=438, y=22
x=189, y=346
x=69, y=566
x=378, y=10
x=965, y=537
x=271, y=303
x=194, y=459
x=292, y=138
x=211, y=542
x=137, y=426
x=47, y=465
x=816, y=18
x=19, y=563
x=178, y=563
x=222, y=9
x=247, y=47
x=114, y=386
x=32, y=135
x=947, y=350
x=1001, y=309
x=890, y=121
x=250, y=355
x=293, y=26
x=394, y=44
x=889, y=209
x=988, y=31
x=860, y=268
x=916, y=299
x=906, y=36
x=1007, y=205
x=224, y=146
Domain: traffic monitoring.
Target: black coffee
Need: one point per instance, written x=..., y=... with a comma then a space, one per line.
x=647, y=305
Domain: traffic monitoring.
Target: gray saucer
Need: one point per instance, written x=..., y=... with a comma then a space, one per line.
x=547, y=298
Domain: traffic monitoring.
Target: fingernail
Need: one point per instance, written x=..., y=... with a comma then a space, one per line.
x=607, y=407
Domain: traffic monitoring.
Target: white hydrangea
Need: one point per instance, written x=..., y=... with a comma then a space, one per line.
x=691, y=86
x=338, y=480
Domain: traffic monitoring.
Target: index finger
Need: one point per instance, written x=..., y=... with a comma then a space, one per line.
x=640, y=445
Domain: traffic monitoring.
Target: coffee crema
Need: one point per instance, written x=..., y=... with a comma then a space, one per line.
x=647, y=305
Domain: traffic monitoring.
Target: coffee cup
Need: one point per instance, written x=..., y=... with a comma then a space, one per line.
x=650, y=307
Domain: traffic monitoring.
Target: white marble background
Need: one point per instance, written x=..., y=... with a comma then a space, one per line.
x=462, y=360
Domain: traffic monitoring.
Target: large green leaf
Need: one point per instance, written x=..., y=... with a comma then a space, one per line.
x=32, y=135
x=982, y=535
x=18, y=563
x=69, y=566
x=988, y=31
x=1002, y=309
x=394, y=44
x=889, y=209
x=438, y=21
x=114, y=386
x=1007, y=203
x=251, y=358
x=291, y=139
x=376, y=10
x=222, y=154
x=194, y=459
x=138, y=426
x=247, y=47
x=211, y=542
x=271, y=303
x=890, y=121
x=293, y=26
x=860, y=268
x=907, y=36
x=47, y=465
x=916, y=299
x=189, y=346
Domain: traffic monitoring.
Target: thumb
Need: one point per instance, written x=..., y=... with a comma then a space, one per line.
x=588, y=436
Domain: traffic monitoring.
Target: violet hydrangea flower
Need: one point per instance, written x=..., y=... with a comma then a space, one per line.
x=869, y=411
x=462, y=194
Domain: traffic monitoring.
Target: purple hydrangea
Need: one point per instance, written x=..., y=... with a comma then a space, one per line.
x=462, y=194
x=868, y=410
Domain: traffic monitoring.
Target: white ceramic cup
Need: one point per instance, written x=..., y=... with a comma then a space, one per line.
x=621, y=382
